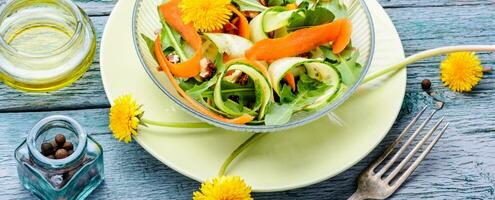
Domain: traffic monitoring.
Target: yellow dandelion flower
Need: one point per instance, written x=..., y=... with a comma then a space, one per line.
x=206, y=15
x=461, y=71
x=125, y=116
x=224, y=188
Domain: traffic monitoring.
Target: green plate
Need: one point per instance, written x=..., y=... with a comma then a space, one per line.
x=280, y=161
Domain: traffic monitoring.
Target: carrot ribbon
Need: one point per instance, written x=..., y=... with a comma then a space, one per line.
x=243, y=23
x=302, y=41
x=163, y=64
x=291, y=81
x=172, y=15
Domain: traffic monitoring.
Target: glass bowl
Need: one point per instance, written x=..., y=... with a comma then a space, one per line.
x=146, y=21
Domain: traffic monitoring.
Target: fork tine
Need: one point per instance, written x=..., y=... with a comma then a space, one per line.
x=405, y=145
x=392, y=146
x=418, y=160
x=413, y=152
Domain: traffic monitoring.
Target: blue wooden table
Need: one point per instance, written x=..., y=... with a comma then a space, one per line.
x=461, y=166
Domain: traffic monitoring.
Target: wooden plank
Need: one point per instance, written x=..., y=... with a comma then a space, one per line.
x=86, y=92
x=460, y=167
x=422, y=29
x=103, y=7
x=436, y=3
x=99, y=23
x=96, y=8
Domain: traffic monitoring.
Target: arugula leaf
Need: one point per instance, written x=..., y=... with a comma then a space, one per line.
x=286, y=95
x=329, y=55
x=186, y=84
x=349, y=68
x=346, y=63
x=275, y=2
x=230, y=85
x=150, y=43
x=250, y=5
x=318, y=16
x=230, y=92
x=297, y=19
x=305, y=18
x=239, y=107
x=196, y=91
x=308, y=92
x=306, y=3
x=280, y=2
x=278, y=114
x=171, y=39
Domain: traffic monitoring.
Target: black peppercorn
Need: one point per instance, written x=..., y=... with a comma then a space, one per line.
x=61, y=153
x=55, y=145
x=46, y=149
x=60, y=139
x=68, y=146
x=426, y=84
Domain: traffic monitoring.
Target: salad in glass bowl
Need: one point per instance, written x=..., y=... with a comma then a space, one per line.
x=253, y=65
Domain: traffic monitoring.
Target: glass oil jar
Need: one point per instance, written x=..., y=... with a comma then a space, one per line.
x=44, y=44
x=74, y=176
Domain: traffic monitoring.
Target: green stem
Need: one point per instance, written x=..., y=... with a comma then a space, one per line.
x=176, y=124
x=169, y=34
x=238, y=151
x=427, y=54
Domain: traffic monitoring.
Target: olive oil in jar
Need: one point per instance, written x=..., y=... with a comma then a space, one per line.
x=40, y=39
x=45, y=44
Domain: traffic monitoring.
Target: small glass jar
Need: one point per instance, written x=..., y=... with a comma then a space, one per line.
x=73, y=177
x=44, y=44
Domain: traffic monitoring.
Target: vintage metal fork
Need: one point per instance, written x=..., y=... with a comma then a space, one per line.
x=373, y=183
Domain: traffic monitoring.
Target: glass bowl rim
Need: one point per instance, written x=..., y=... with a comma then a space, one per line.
x=259, y=128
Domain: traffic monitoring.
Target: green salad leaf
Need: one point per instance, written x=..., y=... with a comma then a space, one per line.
x=150, y=43
x=318, y=16
x=312, y=17
x=237, y=104
x=280, y=2
x=196, y=91
x=278, y=114
x=230, y=92
x=306, y=3
x=171, y=40
x=308, y=92
x=250, y=5
x=336, y=7
x=345, y=62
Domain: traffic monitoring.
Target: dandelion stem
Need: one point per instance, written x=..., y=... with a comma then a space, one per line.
x=176, y=124
x=238, y=151
x=428, y=54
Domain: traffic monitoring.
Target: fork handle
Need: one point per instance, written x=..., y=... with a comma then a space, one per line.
x=356, y=196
